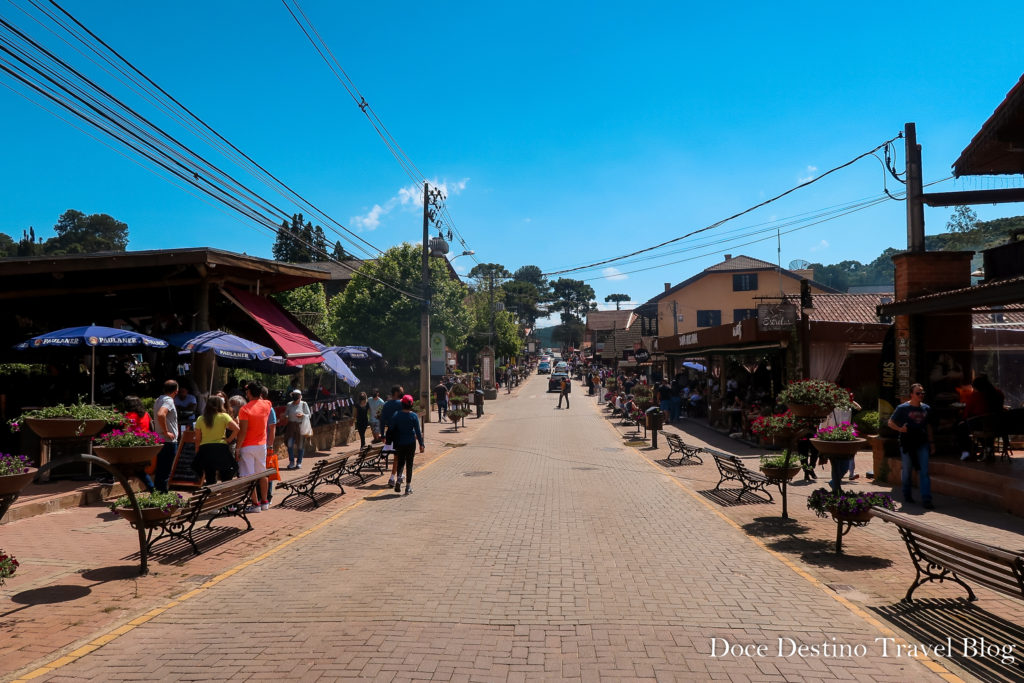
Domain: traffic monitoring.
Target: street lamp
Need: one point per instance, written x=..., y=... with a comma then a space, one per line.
x=468, y=252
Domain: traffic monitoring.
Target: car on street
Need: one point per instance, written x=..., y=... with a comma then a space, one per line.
x=543, y=368
x=555, y=381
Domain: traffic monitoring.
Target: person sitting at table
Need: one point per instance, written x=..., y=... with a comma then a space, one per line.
x=980, y=408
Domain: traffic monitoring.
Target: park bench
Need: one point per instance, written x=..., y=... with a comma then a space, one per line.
x=227, y=498
x=326, y=471
x=939, y=555
x=685, y=451
x=370, y=456
x=731, y=468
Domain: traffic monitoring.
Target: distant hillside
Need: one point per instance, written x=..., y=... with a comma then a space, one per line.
x=846, y=274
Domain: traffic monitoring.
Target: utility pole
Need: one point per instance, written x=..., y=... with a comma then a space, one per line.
x=491, y=338
x=915, y=207
x=425, y=312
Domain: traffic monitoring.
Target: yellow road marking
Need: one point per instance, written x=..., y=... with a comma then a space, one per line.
x=116, y=633
x=885, y=630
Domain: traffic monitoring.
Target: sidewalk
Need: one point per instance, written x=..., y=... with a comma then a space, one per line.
x=875, y=570
x=79, y=566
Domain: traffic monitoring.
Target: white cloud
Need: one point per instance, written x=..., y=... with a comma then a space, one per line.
x=409, y=198
x=820, y=245
x=810, y=175
x=460, y=268
x=527, y=220
x=613, y=273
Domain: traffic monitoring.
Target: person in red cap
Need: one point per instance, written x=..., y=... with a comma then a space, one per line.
x=404, y=432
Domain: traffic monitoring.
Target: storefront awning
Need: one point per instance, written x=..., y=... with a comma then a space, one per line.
x=285, y=334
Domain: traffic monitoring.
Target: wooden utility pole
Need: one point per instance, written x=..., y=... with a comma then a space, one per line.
x=915, y=188
x=425, y=311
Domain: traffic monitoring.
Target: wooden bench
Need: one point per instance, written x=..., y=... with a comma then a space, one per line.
x=370, y=456
x=227, y=498
x=686, y=452
x=939, y=555
x=326, y=471
x=731, y=468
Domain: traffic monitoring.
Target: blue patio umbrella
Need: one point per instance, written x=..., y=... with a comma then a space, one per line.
x=356, y=352
x=222, y=345
x=695, y=366
x=333, y=362
x=91, y=336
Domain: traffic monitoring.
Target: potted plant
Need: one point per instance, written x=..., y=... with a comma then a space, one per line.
x=8, y=566
x=779, y=467
x=781, y=428
x=848, y=507
x=16, y=472
x=814, y=397
x=127, y=446
x=841, y=440
x=67, y=421
x=457, y=414
x=156, y=507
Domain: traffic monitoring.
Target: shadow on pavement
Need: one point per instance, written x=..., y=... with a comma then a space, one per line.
x=730, y=497
x=987, y=646
x=178, y=551
x=666, y=462
x=49, y=595
x=762, y=527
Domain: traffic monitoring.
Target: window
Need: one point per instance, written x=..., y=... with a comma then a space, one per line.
x=746, y=282
x=709, y=318
x=739, y=314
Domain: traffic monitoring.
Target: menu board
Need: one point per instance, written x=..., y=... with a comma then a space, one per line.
x=181, y=472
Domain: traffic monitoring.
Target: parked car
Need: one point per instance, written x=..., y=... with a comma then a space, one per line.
x=555, y=381
x=543, y=368
x=562, y=366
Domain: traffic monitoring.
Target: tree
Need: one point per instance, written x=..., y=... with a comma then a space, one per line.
x=522, y=299
x=963, y=220
x=77, y=233
x=617, y=298
x=374, y=314
x=573, y=298
x=488, y=275
x=339, y=253
x=535, y=277
x=299, y=241
x=8, y=247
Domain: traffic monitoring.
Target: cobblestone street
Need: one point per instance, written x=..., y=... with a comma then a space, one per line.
x=542, y=549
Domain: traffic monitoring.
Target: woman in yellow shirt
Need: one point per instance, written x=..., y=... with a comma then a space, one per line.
x=214, y=455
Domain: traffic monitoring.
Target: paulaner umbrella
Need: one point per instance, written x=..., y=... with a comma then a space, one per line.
x=91, y=336
x=223, y=345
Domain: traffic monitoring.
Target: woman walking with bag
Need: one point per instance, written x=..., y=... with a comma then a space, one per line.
x=404, y=433
x=297, y=414
x=362, y=418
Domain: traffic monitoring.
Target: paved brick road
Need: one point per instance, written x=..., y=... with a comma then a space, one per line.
x=544, y=549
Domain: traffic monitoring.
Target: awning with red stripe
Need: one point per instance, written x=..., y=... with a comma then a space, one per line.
x=292, y=342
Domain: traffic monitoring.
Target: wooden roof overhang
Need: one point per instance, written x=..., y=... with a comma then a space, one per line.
x=998, y=148
x=724, y=338
x=994, y=293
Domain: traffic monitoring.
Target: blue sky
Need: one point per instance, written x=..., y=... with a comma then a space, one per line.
x=566, y=133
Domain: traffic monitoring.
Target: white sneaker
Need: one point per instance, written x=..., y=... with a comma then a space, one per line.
x=252, y=509
x=391, y=481
x=264, y=506
x=965, y=456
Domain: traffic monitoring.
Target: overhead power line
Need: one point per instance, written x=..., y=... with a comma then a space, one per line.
x=729, y=218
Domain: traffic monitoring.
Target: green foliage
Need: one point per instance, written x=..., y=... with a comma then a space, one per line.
x=964, y=219
x=617, y=298
x=309, y=305
x=76, y=233
x=164, y=501
x=782, y=460
x=8, y=566
x=573, y=298
x=866, y=421
x=824, y=502
x=535, y=277
x=523, y=300
x=372, y=314
x=300, y=242
x=74, y=411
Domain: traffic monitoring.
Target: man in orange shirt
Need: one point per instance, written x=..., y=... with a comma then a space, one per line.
x=252, y=442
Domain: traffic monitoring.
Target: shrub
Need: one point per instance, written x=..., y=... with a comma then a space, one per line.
x=867, y=421
x=816, y=392
x=13, y=464
x=823, y=501
x=74, y=411
x=164, y=501
x=8, y=566
x=128, y=438
x=844, y=431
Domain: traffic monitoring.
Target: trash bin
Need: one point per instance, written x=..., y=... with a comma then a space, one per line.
x=478, y=401
x=655, y=421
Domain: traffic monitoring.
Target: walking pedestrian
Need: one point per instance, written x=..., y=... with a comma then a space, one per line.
x=404, y=433
x=376, y=403
x=910, y=419
x=213, y=457
x=563, y=392
x=296, y=413
x=165, y=417
x=441, y=396
x=251, y=453
x=362, y=417
x=386, y=413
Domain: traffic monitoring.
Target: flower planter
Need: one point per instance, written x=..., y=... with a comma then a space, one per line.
x=64, y=428
x=864, y=516
x=127, y=455
x=150, y=516
x=13, y=483
x=807, y=410
x=838, y=449
x=780, y=473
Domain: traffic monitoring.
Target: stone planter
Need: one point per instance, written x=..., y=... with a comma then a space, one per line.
x=13, y=483
x=323, y=437
x=781, y=473
x=131, y=455
x=839, y=449
x=343, y=431
x=807, y=410
x=64, y=428
x=150, y=516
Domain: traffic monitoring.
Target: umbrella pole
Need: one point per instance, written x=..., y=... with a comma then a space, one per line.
x=213, y=371
x=92, y=378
